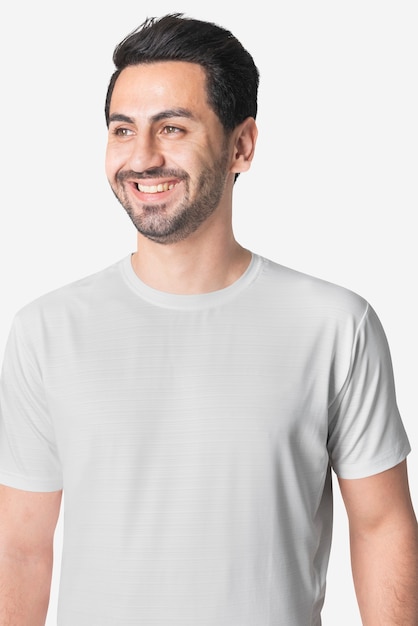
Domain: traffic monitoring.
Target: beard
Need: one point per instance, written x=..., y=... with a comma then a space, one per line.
x=152, y=220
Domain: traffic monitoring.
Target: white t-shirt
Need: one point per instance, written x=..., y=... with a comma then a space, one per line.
x=194, y=437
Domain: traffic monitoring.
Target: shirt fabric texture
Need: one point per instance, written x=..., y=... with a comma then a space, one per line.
x=194, y=437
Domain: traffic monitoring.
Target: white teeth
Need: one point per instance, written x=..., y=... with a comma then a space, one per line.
x=155, y=188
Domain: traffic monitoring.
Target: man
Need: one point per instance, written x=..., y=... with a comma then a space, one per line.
x=191, y=400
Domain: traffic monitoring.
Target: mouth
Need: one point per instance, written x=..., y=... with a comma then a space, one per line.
x=156, y=188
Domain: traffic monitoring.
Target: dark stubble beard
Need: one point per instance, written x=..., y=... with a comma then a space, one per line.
x=152, y=220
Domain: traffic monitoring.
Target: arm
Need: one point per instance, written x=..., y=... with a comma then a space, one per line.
x=384, y=547
x=27, y=525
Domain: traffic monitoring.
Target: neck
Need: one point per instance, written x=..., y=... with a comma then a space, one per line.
x=190, y=267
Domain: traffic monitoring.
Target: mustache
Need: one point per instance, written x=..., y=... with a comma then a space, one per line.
x=154, y=172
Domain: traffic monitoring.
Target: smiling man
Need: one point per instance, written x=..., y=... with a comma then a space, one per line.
x=192, y=400
x=171, y=163
x=167, y=166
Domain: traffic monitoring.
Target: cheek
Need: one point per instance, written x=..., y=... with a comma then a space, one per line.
x=115, y=158
x=188, y=160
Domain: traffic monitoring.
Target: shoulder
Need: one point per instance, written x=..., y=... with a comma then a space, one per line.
x=73, y=299
x=304, y=292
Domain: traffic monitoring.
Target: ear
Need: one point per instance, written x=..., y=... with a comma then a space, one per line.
x=245, y=138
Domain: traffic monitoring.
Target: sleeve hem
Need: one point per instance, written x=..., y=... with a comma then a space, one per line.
x=26, y=484
x=355, y=470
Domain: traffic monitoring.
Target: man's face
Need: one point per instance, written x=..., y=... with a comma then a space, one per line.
x=167, y=157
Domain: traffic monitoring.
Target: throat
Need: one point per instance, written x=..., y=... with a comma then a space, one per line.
x=187, y=274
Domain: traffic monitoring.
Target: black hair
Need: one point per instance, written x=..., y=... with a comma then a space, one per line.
x=232, y=77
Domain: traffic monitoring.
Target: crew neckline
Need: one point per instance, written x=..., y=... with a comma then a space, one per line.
x=190, y=301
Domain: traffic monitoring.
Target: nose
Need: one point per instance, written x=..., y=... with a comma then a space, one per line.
x=145, y=153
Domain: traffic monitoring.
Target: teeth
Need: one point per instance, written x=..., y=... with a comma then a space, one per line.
x=155, y=188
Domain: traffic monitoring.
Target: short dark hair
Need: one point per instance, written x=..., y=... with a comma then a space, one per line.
x=232, y=77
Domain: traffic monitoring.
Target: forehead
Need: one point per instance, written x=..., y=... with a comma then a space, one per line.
x=160, y=84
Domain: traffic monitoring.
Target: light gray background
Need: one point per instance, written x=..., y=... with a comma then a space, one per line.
x=332, y=191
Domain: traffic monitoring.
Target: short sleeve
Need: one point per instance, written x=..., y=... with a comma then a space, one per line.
x=366, y=433
x=28, y=454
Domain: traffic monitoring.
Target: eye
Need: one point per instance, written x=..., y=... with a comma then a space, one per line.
x=171, y=130
x=122, y=132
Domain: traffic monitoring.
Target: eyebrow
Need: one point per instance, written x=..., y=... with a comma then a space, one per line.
x=162, y=115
